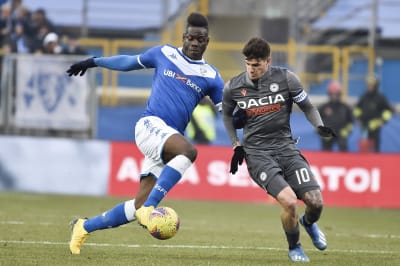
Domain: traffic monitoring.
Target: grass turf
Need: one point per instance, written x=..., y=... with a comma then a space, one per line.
x=34, y=231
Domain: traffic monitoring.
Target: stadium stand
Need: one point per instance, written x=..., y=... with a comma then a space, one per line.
x=354, y=15
x=325, y=22
x=107, y=17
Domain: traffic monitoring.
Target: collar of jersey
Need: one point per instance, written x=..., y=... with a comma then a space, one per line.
x=201, y=61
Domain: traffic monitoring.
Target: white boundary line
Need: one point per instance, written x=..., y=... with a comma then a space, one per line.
x=353, y=251
x=373, y=236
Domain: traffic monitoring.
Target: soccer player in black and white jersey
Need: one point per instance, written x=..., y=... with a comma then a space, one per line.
x=264, y=95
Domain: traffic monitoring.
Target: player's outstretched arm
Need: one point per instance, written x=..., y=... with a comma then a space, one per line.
x=80, y=68
x=117, y=62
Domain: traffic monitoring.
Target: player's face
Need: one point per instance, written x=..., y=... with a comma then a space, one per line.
x=195, y=41
x=257, y=67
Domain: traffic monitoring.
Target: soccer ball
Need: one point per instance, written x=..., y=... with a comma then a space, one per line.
x=163, y=223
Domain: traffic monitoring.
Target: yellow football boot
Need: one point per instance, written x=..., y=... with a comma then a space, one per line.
x=143, y=214
x=78, y=235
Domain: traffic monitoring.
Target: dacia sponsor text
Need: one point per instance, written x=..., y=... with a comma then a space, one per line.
x=264, y=105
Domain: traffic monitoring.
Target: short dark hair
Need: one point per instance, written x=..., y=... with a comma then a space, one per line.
x=197, y=20
x=256, y=48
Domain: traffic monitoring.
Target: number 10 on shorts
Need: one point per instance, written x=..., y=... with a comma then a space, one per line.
x=303, y=176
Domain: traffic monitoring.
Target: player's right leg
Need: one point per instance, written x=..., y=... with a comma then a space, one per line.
x=120, y=214
x=164, y=145
x=179, y=155
x=288, y=201
x=297, y=254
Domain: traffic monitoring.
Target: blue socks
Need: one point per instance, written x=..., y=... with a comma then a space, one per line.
x=170, y=175
x=121, y=214
x=125, y=212
x=168, y=178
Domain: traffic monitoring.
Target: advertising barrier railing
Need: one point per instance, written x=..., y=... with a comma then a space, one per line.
x=90, y=167
x=346, y=179
x=37, y=94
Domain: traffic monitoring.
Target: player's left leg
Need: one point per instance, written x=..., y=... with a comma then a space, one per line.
x=314, y=206
x=120, y=214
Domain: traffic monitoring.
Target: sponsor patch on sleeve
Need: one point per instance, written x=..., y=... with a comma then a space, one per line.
x=300, y=97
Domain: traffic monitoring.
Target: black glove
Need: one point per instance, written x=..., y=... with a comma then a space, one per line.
x=237, y=159
x=81, y=67
x=239, y=118
x=326, y=132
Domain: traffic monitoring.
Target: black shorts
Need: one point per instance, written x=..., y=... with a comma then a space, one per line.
x=275, y=172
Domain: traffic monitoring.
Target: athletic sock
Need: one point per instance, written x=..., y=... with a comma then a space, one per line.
x=305, y=221
x=121, y=214
x=169, y=176
x=293, y=237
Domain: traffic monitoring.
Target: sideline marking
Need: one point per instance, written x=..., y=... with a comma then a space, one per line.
x=373, y=236
x=193, y=247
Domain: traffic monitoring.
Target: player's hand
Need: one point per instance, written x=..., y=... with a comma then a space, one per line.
x=81, y=67
x=239, y=119
x=326, y=132
x=237, y=158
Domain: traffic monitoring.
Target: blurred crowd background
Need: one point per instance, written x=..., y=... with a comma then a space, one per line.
x=339, y=49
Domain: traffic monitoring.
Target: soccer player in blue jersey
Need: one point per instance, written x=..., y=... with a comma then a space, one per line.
x=181, y=79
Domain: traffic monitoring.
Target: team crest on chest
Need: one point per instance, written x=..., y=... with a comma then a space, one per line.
x=243, y=92
x=274, y=87
x=203, y=71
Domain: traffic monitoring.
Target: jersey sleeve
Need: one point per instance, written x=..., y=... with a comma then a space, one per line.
x=148, y=59
x=119, y=62
x=228, y=105
x=299, y=96
x=296, y=89
x=217, y=91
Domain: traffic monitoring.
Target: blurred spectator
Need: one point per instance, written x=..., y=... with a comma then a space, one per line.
x=201, y=129
x=51, y=44
x=15, y=5
x=39, y=19
x=372, y=111
x=71, y=46
x=5, y=22
x=20, y=14
x=39, y=27
x=337, y=115
x=17, y=41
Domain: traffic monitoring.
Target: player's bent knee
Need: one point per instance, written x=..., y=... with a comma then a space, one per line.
x=287, y=199
x=191, y=153
x=315, y=210
x=189, y=150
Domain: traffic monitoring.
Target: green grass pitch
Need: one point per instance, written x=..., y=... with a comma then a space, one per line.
x=34, y=230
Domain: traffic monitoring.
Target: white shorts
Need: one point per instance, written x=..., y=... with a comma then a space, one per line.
x=151, y=133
